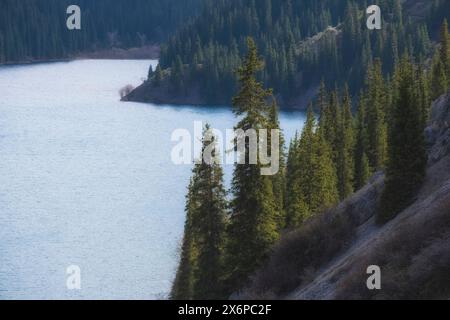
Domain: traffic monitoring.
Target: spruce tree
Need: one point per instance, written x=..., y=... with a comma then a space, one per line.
x=293, y=192
x=209, y=197
x=362, y=167
x=439, y=81
x=345, y=150
x=302, y=158
x=311, y=176
x=376, y=117
x=407, y=154
x=200, y=271
x=158, y=76
x=424, y=94
x=253, y=225
x=445, y=48
x=182, y=287
x=324, y=193
x=279, y=179
x=330, y=117
x=307, y=163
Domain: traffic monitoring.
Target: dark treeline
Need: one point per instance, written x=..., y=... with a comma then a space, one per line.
x=334, y=156
x=294, y=37
x=36, y=29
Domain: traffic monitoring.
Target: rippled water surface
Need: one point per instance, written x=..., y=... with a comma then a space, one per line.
x=87, y=180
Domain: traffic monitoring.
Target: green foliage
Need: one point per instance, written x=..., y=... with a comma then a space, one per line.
x=311, y=175
x=182, y=287
x=440, y=74
x=332, y=158
x=157, y=77
x=439, y=82
x=445, y=47
x=407, y=154
x=279, y=179
x=376, y=103
x=36, y=29
x=199, y=273
x=294, y=38
x=362, y=167
x=253, y=227
x=345, y=160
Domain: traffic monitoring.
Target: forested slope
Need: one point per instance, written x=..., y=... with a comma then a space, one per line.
x=327, y=258
x=302, y=42
x=36, y=29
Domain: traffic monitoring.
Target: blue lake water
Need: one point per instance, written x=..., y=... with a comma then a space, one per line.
x=88, y=180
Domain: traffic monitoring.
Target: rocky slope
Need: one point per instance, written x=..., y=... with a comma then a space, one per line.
x=328, y=258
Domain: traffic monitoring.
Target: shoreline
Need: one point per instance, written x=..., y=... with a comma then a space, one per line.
x=146, y=93
x=149, y=52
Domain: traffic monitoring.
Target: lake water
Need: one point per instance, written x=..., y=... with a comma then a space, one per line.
x=87, y=180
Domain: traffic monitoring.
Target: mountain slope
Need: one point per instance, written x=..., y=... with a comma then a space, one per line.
x=36, y=29
x=302, y=43
x=413, y=250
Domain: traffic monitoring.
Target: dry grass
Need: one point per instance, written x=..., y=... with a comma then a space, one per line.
x=414, y=259
x=300, y=253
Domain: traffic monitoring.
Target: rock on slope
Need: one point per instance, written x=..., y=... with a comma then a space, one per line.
x=329, y=260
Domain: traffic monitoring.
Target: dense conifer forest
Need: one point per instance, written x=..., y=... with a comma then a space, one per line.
x=369, y=101
x=36, y=29
x=334, y=156
x=303, y=42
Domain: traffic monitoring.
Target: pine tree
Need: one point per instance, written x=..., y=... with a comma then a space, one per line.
x=158, y=76
x=302, y=159
x=176, y=76
x=311, y=175
x=279, y=179
x=424, y=94
x=440, y=70
x=199, y=274
x=253, y=224
x=445, y=48
x=182, y=288
x=345, y=163
x=439, y=81
x=324, y=193
x=209, y=197
x=362, y=167
x=330, y=117
x=376, y=117
x=407, y=154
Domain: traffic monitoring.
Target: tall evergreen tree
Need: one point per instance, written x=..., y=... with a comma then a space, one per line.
x=157, y=77
x=325, y=193
x=253, y=225
x=345, y=163
x=199, y=274
x=182, y=287
x=445, y=48
x=439, y=81
x=440, y=70
x=311, y=175
x=362, y=167
x=209, y=226
x=279, y=179
x=302, y=158
x=407, y=154
x=376, y=117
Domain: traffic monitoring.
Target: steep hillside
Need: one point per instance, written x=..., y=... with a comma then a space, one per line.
x=329, y=256
x=302, y=43
x=36, y=29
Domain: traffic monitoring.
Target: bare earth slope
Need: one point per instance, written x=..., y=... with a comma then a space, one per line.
x=418, y=234
x=328, y=257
